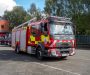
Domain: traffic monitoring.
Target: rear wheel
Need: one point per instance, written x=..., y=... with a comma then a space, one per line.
x=17, y=49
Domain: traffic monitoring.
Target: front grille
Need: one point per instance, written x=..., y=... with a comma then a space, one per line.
x=62, y=52
x=63, y=45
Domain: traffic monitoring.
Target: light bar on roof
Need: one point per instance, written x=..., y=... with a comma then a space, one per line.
x=64, y=21
x=61, y=18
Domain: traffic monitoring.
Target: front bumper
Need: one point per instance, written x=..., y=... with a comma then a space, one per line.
x=61, y=52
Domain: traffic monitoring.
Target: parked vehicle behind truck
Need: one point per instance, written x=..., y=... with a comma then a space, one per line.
x=49, y=37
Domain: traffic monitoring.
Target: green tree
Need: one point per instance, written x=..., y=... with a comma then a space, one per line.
x=16, y=16
x=52, y=7
x=82, y=23
x=65, y=7
x=34, y=12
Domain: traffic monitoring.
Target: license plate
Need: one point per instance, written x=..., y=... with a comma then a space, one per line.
x=64, y=49
x=64, y=54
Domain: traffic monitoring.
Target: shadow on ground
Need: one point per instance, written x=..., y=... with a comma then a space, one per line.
x=9, y=55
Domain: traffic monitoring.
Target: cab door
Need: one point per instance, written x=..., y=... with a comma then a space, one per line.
x=34, y=35
x=33, y=38
x=44, y=33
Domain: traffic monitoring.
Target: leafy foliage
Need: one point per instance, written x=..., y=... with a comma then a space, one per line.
x=16, y=16
x=34, y=12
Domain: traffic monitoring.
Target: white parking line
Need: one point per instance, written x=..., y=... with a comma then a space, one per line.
x=57, y=68
x=81, y=58
x=84, y=59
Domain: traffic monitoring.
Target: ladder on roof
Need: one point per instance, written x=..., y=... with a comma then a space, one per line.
x=26, y=23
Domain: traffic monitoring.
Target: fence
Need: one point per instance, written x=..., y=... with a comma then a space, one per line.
x=83, y=40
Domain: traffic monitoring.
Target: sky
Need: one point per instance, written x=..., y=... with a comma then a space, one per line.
x=9, y=4
x=26, y=3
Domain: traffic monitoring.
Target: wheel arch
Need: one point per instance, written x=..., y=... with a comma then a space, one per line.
x=40, y=45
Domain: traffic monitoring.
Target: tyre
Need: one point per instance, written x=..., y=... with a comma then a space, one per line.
x=39, y=53
x=64, y=57
x=17, y=49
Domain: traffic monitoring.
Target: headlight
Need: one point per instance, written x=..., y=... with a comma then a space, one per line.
x=53, y=52
x=72, y=37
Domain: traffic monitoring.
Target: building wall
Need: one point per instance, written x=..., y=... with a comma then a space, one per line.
x=4, y=26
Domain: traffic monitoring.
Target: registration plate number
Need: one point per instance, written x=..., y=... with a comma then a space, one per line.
x=65, y=54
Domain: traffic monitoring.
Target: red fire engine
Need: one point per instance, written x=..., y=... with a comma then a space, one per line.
x=49, y=37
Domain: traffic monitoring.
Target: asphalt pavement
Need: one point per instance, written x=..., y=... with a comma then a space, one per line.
x=25, y=64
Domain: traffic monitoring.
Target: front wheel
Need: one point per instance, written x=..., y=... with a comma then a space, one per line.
x=63, y=57
x=39, y=53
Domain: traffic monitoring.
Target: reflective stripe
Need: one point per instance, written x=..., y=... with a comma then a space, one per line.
x=53, y=43
x=24, y=28
x=47, y=38
x=36, y=42
x=29, y=41
x=32, y=38
x=43, y=38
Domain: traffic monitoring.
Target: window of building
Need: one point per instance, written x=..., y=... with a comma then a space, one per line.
x=2, y=26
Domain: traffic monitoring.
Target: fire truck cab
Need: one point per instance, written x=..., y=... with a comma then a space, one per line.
x=49, y=37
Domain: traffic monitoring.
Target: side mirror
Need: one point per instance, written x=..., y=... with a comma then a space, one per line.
x=34, y=34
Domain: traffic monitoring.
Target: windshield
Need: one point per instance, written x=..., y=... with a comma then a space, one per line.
x=58, y=28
